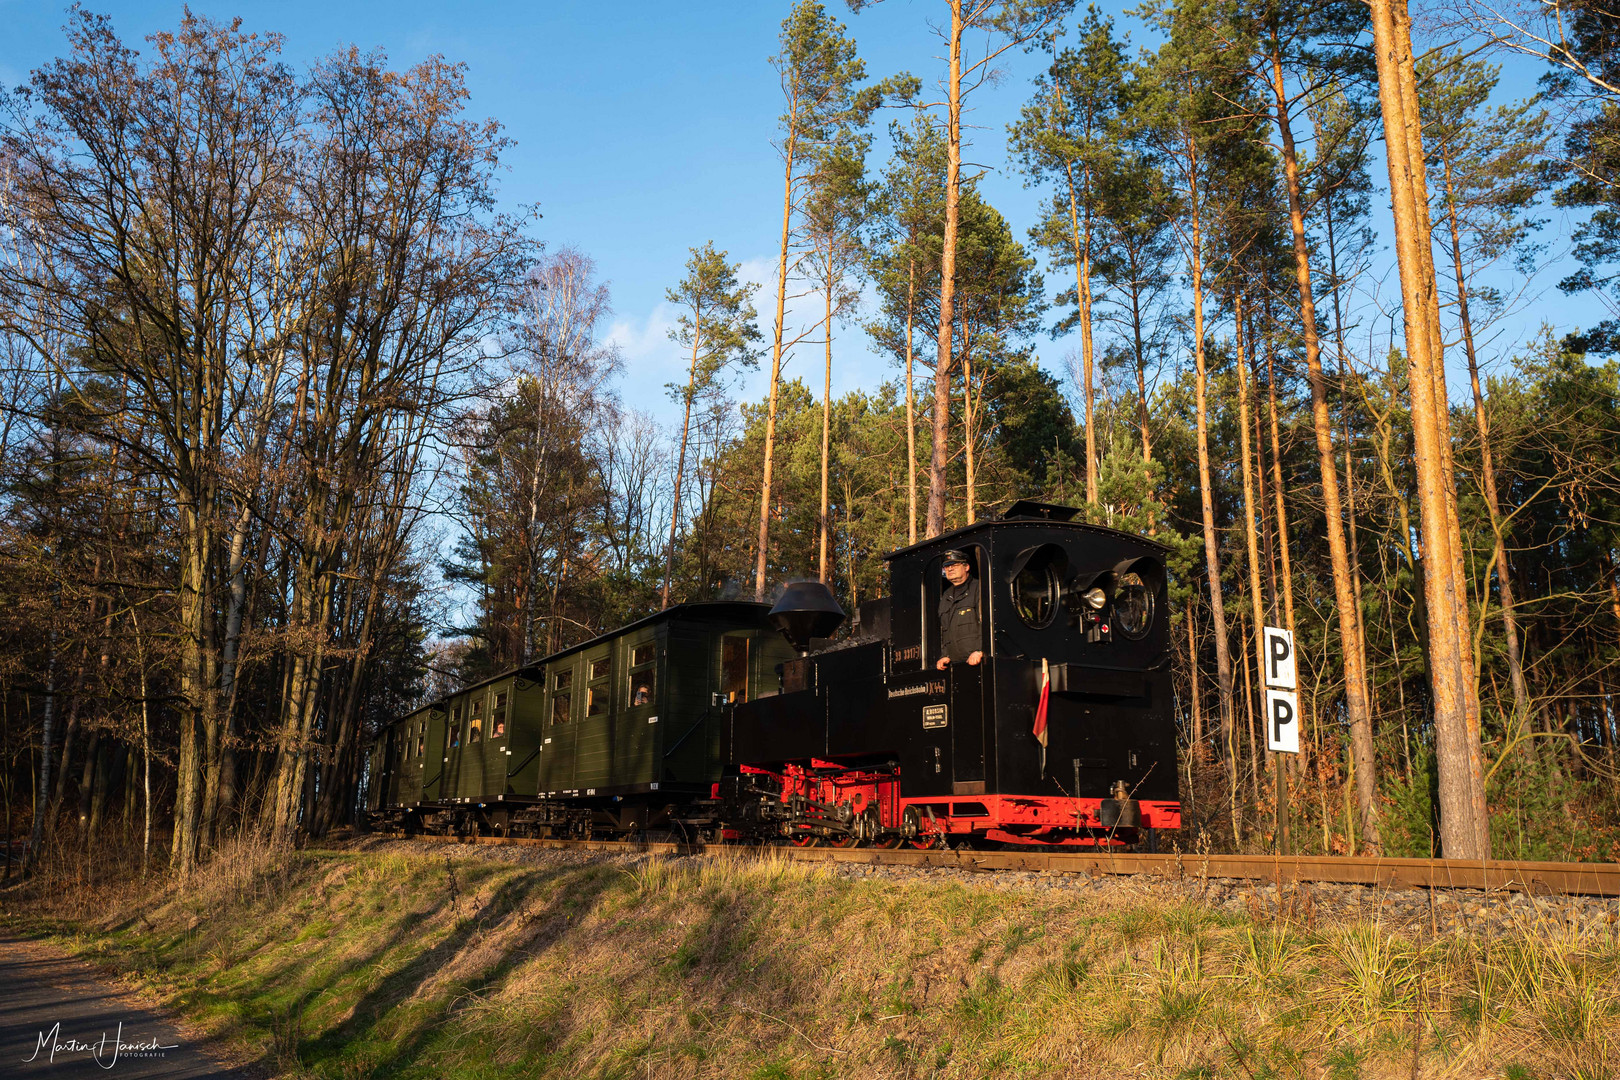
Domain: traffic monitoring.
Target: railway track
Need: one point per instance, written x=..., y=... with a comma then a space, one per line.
x=1537, y=878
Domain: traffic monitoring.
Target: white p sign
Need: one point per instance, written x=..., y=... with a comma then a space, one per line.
x=1277, y=658
x=1282, y=721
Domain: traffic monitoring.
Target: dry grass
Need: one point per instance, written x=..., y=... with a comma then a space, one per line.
x=351, y=965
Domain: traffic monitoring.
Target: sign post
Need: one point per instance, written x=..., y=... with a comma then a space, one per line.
x=1279, y=671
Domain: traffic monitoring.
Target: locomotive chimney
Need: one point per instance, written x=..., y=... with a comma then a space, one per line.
x=807, y=610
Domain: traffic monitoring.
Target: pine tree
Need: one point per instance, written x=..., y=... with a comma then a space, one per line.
x=717, y=323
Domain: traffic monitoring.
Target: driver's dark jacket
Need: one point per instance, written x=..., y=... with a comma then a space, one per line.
x=961, y=630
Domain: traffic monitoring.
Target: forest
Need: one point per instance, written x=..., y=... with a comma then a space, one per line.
x=303, y=427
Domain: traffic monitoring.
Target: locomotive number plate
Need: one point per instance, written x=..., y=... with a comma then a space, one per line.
x=934, y=716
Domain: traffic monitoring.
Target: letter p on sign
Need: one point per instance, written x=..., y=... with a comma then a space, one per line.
x=1277, y=658
x=1282, y=721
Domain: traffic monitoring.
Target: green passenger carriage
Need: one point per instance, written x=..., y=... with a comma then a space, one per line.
x=610, y=734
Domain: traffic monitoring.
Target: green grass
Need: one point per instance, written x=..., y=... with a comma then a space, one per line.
x=347, y=966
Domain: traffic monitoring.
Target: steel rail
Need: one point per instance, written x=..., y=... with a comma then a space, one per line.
x=1539, y=878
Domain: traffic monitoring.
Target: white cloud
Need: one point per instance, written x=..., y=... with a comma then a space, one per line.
x=650, y=358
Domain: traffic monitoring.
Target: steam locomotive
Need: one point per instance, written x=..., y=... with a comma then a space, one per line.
x=747, y=723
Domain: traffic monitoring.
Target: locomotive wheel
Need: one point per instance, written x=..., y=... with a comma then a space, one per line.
x=848, y=840
x=803, y=840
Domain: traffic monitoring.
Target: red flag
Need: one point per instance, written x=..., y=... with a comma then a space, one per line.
x=1040, y=710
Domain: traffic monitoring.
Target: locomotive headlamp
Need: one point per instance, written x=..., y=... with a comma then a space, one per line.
x=1095, y=598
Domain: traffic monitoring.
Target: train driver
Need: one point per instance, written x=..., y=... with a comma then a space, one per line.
x=961, y=630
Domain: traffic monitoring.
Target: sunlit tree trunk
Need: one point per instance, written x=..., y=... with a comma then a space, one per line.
x=911, y=410
x=968, y=457
x=680, y=461
x=1352, y=650
x=1251, y=539
x=940, y=456
x=1206, y=485
x=1464, y=827
x=764, y=538
x=826, y=432
x=1081, y=232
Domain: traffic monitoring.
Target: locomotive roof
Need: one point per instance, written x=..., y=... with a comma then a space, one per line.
x=1026, y=512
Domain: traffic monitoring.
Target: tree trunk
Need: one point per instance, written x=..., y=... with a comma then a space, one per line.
x=1082, y=291
x=42, y=794
x=1464, y=829
x=1352, y=650
x=680, y=461
x=1250, y=505
x=1141, y=374
x=776, y=366
x=1504, y=574
x=1192, y=680
x=195, y=705
x=1206, y=493
x=1283, y=546
x=967, y=435
x=826, y=435
x=947, y=282
x=911, y=412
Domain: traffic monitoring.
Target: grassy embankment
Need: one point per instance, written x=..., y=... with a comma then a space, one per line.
x=337, y=964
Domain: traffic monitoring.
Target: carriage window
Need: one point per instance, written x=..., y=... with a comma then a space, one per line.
x=475, y=727
x=734, y=669
x=596, y=701
x=455, y=726
x=565, y=679
x=421, y=746
x=560, y=706
x=497, y=717
x=642, y=675
x=599, y=695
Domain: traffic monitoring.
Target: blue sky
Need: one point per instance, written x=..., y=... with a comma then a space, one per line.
x=643, y=129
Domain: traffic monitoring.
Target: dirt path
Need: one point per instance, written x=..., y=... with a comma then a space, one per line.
x=60, y=1019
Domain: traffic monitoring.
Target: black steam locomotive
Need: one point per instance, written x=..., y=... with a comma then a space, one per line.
x=734, y=721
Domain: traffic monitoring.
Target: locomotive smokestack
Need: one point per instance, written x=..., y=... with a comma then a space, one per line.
x=807, y=610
